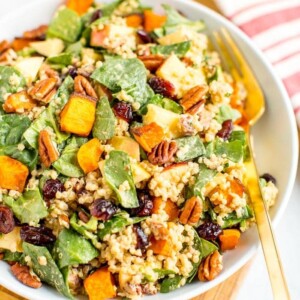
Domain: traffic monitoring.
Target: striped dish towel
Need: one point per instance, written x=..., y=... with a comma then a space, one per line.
x=274, y=26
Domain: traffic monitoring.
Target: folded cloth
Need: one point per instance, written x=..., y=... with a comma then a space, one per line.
x=274, y=26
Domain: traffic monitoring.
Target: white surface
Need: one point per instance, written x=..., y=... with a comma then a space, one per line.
x=275, y=144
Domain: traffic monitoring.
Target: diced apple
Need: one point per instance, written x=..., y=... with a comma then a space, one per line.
x=18, y=103
x=168, y=120
x=139, y=173
x=148, y=136
x=78, y=115
x=49, y=47
x=12, y=241
x=179, y=169
x=127, y=145
x=29, y=67
x=98, y=36
x=175, y=37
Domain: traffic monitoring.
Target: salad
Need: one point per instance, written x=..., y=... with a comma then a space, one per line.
x=122, y=149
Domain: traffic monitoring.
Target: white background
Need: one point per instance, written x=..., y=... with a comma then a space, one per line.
x=256, y=283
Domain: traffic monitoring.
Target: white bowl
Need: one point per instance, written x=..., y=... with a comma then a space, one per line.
x=275, y=135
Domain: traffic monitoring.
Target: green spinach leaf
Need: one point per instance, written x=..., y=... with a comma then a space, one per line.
x=170, y=284
x=179, y=49
x=66, y=25
x=105, y=122
x=12, y=256
x=189, y=148
x=48, y=273
x=126, y=75
x=227, y=113
x=232, y=218
x=71, y=248
x=60, y=61
x=67, y=163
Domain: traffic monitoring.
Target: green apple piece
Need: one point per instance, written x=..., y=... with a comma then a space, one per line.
x=29, y=67
x=175, y=37
x=49, y=47
x=167, y=119
x=126, y=144
x=12, y=241
x=139, y=173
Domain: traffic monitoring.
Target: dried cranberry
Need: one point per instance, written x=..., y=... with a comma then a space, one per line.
x=225, y=132
x=97, y=14
x=123, y=110
x=144, y=36
x=7, y=222
x=162, y=86
x=209, y=231
x=39, y=236
x=51, y=187
x=268, y=177
x=103, y=209
x=145, y=205
x=142, y=239
x=73, y=72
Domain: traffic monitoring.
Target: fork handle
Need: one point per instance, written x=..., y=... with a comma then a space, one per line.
x=266, y=234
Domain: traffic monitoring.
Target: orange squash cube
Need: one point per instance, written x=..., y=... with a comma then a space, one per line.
x=89, y=154
x=170, y=208
x=153, y=20
x=13, y=174
x=161, y=247
x=78, y=115
x=100, y=285
x=148, y=136
x=80, y=6
x=229, y=239
x=98, y=36
x=18, y=103
x=134, y=20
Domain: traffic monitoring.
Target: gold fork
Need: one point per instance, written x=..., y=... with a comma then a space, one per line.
x=236, y=64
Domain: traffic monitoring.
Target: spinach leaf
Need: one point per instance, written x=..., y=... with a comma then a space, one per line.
x=60, y=61
x=48, y=273
x=163, y=272
x=127, y=75
x=29, y=207
x=189, y=148
x=10, y=81
x=180, y=49
x=227, y=113
x=74, y=49
x=65, y=25
x=85, y=229
x=71, y=248
x=203, y=177
x=117, y=223
x=117, y=171
x=108, y=9
x=48, y=117
x=105, y=121
x=170, y=284
x=13, y=256
x=67, y=163
x=232, y=218
x=240, y=135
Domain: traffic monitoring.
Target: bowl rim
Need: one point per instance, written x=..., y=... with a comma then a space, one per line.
x=294, y=143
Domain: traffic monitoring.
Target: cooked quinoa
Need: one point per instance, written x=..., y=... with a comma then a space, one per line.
x=122, y=152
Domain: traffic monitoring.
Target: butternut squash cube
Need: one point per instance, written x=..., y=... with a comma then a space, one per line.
x=100, y=285
x=169, y=207
x=148, y=136
x=19, y=103
x=89, y=154
x=13, y=174
x=161, y=247
x=98, y=36
x=153, y=20
x=229, y=239
x=78, y=115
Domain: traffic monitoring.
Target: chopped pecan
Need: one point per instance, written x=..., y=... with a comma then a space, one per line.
x=47, y=150
x=38, y=33
x=1, y=256
x=22, y=273
x=186, y=124
x=4, y=45
x=83, y=216
x=210, y=267
x=187, y=61
x=19, y=102
x=163, y=153
x=43, y=90
x=194, y=99
x=8, y=56
x=192, y=211
x=152, y=62
x=83, y=86
x=160, y=232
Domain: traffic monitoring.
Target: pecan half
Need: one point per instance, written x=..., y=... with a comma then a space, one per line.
x=47, y=150
x=38, y=33
x=163, y=153
x=22, y=273
x=4, y=45
x=152, y=62
x=210, y=267
x=193, y=100
x=43, y=90
x=84, y=87
x=8, y=56
x=192, y=211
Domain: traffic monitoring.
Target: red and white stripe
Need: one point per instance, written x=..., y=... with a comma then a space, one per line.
x=274, y=26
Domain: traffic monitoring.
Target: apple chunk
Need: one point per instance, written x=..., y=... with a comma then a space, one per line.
x=127, y=145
